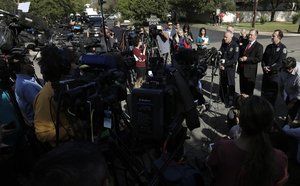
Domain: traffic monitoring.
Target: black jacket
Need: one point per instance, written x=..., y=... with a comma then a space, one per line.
x=274, y=57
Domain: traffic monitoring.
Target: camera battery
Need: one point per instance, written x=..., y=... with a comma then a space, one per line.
x=148, y=113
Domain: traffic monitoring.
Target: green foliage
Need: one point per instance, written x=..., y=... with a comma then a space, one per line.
x=295, y=18
x=228, y=5
x=54, y=10
x=269, y=26
x=79, y=5
x=141, y=9
x=263, y=19
x=292, y=4
x=201, y=6
x=8, y=5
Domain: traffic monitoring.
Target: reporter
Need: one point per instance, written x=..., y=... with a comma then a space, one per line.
x=250, y=159
x=139, y=54
x=26, y=87
x=294, y=132
x=289, y=87
x=55, y=65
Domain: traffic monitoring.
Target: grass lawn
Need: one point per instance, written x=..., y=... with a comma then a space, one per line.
x=267, y=27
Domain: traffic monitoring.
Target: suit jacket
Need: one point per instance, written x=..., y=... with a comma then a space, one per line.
x=254, y=55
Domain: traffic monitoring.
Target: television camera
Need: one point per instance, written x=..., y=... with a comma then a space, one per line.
x=170, y=94
x=17, y=30
x=99, y=88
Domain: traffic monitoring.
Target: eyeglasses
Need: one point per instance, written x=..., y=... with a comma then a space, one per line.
x=170, y=24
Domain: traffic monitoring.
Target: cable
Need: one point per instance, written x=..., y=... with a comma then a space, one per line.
x=91, y=120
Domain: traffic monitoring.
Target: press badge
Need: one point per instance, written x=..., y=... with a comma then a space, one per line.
x=107, y=119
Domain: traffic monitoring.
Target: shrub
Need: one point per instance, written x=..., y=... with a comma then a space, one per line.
x=295, y=18
x=263, y=19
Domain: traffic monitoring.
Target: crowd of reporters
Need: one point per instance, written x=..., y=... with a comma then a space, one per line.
x=40, y=109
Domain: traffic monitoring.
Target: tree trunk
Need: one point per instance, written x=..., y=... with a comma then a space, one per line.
x=272, y=15
x=254, y=13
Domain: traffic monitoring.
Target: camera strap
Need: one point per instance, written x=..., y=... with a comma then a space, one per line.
x=192, y=119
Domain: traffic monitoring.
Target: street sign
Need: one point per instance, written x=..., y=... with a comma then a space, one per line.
x=153, y=20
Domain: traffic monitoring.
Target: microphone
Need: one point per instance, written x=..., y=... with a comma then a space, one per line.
x=213, y=50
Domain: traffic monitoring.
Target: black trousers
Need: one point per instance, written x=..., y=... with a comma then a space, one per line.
x=227, y=84
x=269, y=88
x=247, y=85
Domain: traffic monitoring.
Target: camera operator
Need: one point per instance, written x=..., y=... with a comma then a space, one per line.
x=118, y=32
x=55, y=65
x=229, y=58
x=131, y=37
x=144, y=36
x=26, y=86
x=164, y=47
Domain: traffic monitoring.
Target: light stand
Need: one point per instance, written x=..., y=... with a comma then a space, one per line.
x=101, y=2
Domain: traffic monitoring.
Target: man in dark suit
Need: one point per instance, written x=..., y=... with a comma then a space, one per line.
x=247, y=67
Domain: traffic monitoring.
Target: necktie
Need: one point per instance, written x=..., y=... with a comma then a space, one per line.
x=248, y=46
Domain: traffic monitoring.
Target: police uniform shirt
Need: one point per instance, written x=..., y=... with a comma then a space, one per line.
x=230, y=52
x=274, y=56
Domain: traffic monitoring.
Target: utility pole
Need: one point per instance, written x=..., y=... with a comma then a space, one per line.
x=101, y=2
x=255, y=2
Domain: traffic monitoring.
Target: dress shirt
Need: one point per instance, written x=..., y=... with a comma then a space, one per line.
x=26, y=90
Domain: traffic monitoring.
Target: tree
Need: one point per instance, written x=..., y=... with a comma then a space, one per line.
x=54, y=10
x=190, y=7
x=293, y=5
x=274, y=4
x=142, y=9
x=8, y=5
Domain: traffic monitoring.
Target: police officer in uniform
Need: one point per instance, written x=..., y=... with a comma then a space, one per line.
x=229, y=58
x=273, y=59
